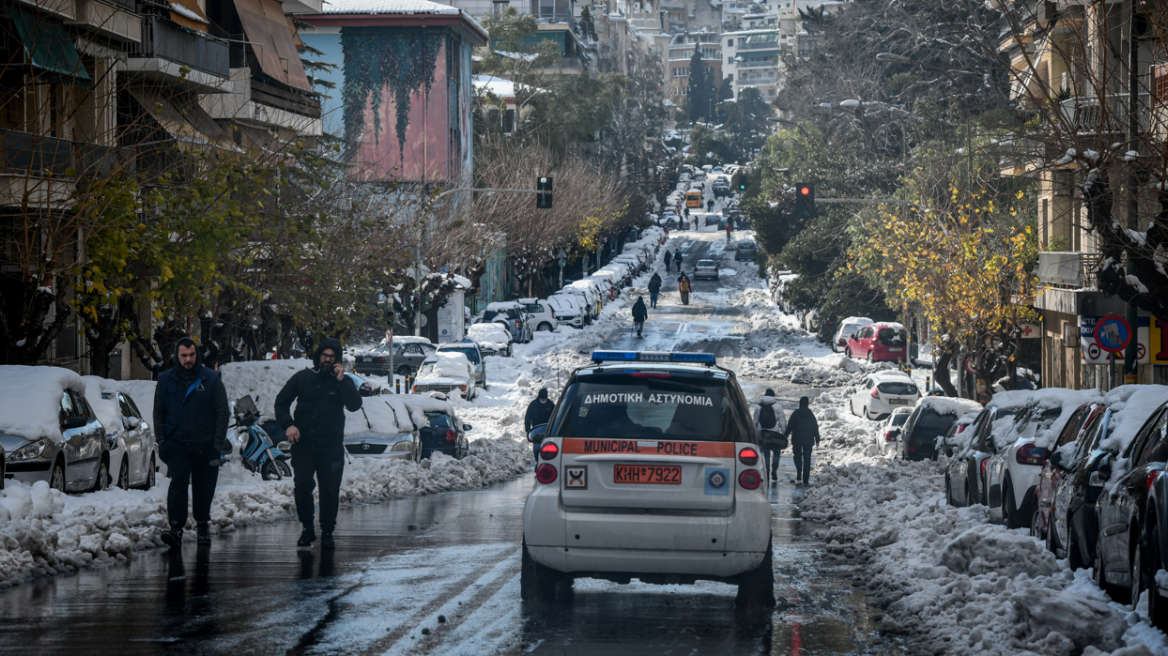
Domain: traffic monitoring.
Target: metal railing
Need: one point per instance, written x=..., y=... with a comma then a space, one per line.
x=163, y=38
x=42, y=155
x=763, y=63
x=770, y=45
x=1110, y=114
x=1068, y=269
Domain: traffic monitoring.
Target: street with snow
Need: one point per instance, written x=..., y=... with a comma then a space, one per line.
x=868, y=559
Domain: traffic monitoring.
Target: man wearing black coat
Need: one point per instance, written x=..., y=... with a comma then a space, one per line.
x=190, y=425
x=655, y=288
x=804, y=431
x=538, y=414
x=317, y=434
x=640, y=314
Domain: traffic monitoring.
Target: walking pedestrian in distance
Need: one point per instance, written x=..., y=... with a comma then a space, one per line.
x=317, y=433
x=190, y=419
x=677, y=260
x=654, y=289
x=771, y=424
x=803, y=429
x=539, y=413
x=640, y=313
x=668, y=258
x=684, y=287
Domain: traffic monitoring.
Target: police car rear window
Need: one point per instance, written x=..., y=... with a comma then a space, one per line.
x=666, y=408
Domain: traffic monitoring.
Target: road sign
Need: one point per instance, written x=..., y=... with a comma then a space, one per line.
x=1113, y=333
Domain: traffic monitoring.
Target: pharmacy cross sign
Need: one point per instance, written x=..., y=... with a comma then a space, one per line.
x=1026, y=330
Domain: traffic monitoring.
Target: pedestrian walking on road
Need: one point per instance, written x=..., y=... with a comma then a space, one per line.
x=729, y=231
x=190, y=424
x=710, y=205
x=654, y=289
x=803, y=429
x=539, y=413
x=640, y=313
x=677, y=261
x=668, y=259
x=317, y=434
x=684, y=287
x=771, y=424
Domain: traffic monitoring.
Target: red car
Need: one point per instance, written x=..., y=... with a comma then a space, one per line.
x=879, y=342
x=1048, y=481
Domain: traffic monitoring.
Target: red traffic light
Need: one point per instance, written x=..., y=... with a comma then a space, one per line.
x=805, y=191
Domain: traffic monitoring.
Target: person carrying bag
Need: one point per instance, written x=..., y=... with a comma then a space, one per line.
x=771, y=424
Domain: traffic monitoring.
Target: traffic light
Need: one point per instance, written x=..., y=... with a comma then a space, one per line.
x=742, y=185
x=804, y=201
x=543, y=197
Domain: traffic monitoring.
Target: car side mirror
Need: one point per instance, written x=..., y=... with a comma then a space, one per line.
x=467, y=427
x=537, y=434
x=75, y=422
x=133, y=422
x=1056, y=460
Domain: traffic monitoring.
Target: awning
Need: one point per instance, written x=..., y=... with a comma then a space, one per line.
x=48, y=45
x=188, y=14
x=268, y=30
x=185, y=121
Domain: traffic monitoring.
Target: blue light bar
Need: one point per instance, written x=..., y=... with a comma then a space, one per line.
x=652, y=356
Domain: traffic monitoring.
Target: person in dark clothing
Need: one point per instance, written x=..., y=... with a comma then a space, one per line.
x=191, y=415
x=640, y=313
x=677, y=261
x=710, y=205
x=539, y=412
x=654, y=289
x=668, y=259
x=771, y=425
x=317, y=434
x=803, y=429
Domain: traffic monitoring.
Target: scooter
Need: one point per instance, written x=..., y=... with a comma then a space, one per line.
x=256, y=449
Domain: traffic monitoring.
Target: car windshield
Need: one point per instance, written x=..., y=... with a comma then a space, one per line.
x=850, y=328
x=705, y=263
x=892, y=336
x=898, y=419
x=427, y=368
x=1040, y=422
x=675, y=407
x=471, y=353
x=930, y=424
x=897, y=387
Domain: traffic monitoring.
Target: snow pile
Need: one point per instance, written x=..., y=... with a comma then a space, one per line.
x=836, y=371
x=44, y=533
x=450, y=364
x=490, y=333
x=30, y=400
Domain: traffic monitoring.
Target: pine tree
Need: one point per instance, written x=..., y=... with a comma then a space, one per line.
x=698, y=96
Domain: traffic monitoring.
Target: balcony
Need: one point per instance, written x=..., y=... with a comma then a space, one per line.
x=759, y=63
x=266, y=105
x=41, y=171
x=167, y=48
x=113, y=19
x=1067, y=269
x=1092, y=115
x=756, y=81
x=769, y=45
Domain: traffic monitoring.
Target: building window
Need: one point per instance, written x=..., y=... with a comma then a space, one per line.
x=729, y=43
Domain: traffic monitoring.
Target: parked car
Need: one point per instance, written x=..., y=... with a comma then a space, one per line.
x=879, y=342
x=1012, y=472
x=473, y=354
x=366, y=387
x=847, y=328
x=449, y=372
x=445, y=433
x=492, y=338
x=888, y=432
x=540, y=314
x=965, y=474
x=1132, y=508
x=880, y=393
x=133, y=452
x=567, y=310
x=1065, y=505
x=409, y=353
x=746, y=250
x=390, y=431
x=951, y=441
x=49, y=432
x=930, y=419
x=810, y=320
x=707, y=269
x=512, y=315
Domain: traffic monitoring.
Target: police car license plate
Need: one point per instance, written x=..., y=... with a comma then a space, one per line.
x=654, y=474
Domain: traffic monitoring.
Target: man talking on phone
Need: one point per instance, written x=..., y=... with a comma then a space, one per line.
x=317, y=434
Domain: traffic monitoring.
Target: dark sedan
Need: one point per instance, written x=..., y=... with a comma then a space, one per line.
x=1065, y=503
x=446, y=433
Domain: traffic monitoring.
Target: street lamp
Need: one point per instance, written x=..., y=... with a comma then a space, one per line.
x=850, y=102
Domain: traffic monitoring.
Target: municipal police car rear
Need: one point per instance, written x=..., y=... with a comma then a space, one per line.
x=649, y=469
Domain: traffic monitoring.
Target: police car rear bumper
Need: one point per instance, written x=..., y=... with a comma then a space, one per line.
x=598, y=562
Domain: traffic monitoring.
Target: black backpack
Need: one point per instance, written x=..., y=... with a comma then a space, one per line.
x=766, y=416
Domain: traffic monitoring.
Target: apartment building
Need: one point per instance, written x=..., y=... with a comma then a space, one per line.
x=681, y=51
x=752, y=60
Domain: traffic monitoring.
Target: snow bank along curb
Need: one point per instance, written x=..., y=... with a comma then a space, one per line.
x=43, y=532
x=948, y=580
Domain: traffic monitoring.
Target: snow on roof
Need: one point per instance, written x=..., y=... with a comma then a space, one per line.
x=492, y=333
x=449, y=364
x=1065, y=401
x=407, y=339
x=30, y=400
x=498, y=306
x=387, y=7
x=108, y=411
x=944, y=405
x=1131, y=405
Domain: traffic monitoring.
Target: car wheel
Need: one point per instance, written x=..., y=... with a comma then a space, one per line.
x=1157, y=606
x=124, y=474
x=756, y=588
x=537, y=584
x=848, y=351
x=1006, y=501
x=103, y=476
x=1074, y=554
x=1036, y=527
x=151, y=472
x=948, y=491
x=1052, y=544
x=1116, y=594
x=1139, y=577
x=871, y=359
x=57, y=478
x=403, y=371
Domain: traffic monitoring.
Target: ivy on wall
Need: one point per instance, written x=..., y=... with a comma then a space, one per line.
x=401, y=62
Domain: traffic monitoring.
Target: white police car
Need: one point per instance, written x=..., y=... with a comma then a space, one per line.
x=649, y=469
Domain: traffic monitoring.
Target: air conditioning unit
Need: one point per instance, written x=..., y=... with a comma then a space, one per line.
x=1045, y=12
x=1070, y=335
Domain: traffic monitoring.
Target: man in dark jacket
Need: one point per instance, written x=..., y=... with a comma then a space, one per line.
x=317, y=434
x=640, y=314
x=668, y=259
x=677, y=261
x=538, y=414
x=190, y=424
x=654, y=289
x=804, y=431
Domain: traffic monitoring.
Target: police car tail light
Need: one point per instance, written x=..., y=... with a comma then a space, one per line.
x=546, y=473
x=549, y=451
x=750, y=479
x=451, y=436
x=748, y=457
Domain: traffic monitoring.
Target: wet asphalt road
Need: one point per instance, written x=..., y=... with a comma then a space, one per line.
x=400, y=565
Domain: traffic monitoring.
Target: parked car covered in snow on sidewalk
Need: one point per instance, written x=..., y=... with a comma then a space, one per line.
x=473, y=354
x=49, y=431
x=965, y=474
x=540, y=313
x=847, y=328
x=448, y=372
x=492, y=338
x=445, y=432
x=511, y=315
x=408, y=354
x=133, y=453
x=932, y=417
x=882, y=392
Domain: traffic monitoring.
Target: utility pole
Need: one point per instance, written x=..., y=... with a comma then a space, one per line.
x=1136, y=26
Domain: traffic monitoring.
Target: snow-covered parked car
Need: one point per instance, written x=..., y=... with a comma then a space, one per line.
x=888, y=432
x=391, y=428
x=932, y=417
x=492, y=338
x=449, y=372
x=408, y=354
x=512, y=315
x=49, y=431
x=474, y=355
x=445, y=432
x=1012, y=472
x=881, y=393
x=846, y=329
x=965, y=474
x=568, y=309
x=541, y=314
x=133, y=455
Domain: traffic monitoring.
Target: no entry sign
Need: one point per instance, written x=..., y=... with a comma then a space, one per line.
x=1113, y=333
